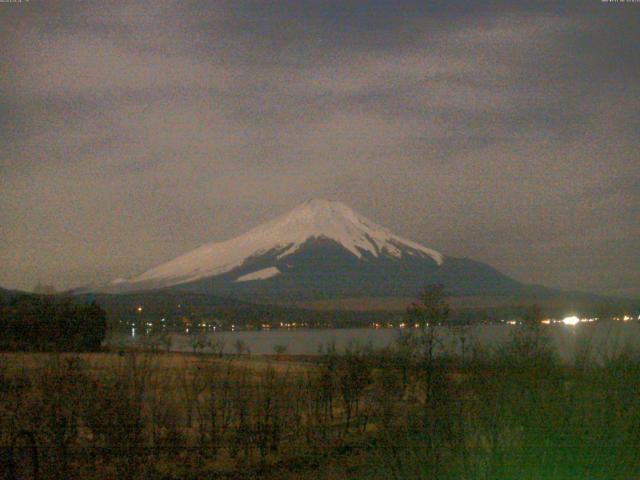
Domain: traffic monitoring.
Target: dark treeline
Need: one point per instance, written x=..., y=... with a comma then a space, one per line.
x=180, y=309
x=47, y=323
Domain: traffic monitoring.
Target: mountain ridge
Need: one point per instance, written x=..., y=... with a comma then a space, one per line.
x=279, y=238
x=320, y=249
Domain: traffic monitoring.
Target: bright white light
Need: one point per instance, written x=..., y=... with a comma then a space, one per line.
x=573, y=320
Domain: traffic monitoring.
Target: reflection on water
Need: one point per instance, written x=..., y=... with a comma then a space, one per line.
x=603, y=338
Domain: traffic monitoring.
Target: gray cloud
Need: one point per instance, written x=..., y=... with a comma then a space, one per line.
x=134, y=131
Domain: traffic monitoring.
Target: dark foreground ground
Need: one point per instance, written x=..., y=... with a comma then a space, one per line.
x=516, y=413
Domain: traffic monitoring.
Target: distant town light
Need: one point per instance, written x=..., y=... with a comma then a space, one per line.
x=139, y=309
x=572, y=320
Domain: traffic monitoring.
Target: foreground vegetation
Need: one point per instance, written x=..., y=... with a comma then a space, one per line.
x=510, y=413
x=48, y=323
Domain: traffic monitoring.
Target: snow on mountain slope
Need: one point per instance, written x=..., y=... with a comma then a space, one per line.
x=259, y=275
x=284, y=236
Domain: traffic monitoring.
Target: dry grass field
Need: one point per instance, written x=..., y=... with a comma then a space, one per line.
x=516, y=413
x=173, y=361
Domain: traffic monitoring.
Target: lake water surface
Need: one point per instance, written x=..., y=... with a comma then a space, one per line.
x=603, y=338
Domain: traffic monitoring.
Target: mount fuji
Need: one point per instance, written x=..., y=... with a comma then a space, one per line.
x=320, y=249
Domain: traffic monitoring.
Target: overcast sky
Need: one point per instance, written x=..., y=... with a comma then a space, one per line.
x=131, y=132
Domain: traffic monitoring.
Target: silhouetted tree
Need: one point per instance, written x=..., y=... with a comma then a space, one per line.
x=431, y=309
x=47, y=323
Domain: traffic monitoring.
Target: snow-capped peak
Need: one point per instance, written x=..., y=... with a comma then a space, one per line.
x=285, y=235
